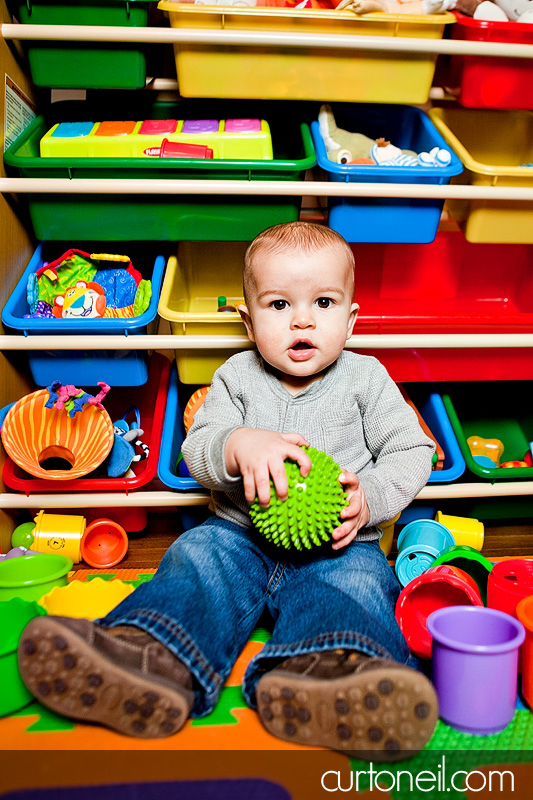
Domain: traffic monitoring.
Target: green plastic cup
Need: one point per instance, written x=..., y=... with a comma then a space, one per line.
x=471, y=561
x=31, y=576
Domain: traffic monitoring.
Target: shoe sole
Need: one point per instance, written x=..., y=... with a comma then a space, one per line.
x=71, y=677
x=377, y=715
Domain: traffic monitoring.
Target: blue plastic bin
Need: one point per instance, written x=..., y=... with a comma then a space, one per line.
x=86, y=367
x=434, y=414
x=378, y=219
x=172, y=439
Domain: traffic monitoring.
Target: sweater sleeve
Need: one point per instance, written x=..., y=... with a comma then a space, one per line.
x=400, y=449
x=220, y=414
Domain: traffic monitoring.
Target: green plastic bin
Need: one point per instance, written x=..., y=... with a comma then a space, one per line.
x=494, y=411
x=160, y=217
x=85, y=65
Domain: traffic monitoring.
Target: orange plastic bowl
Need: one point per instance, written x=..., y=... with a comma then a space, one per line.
x=105, y=543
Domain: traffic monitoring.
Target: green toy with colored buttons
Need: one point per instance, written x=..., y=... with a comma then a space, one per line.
x=312, y=510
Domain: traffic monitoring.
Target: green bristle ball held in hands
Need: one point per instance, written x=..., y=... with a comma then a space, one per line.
x=312, y=510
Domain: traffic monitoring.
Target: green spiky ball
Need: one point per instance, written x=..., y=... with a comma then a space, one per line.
x=311, y=512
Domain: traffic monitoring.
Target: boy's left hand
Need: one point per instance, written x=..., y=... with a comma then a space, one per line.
x=355, y=515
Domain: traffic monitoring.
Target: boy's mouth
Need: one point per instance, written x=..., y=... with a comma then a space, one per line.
x=301, y=350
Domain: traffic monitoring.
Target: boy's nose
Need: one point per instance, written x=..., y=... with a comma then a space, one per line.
x=303, y=319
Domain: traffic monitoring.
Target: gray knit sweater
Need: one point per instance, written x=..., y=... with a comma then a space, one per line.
x=355, y=413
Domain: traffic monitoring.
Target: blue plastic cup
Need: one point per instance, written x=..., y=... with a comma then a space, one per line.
x=419, y=544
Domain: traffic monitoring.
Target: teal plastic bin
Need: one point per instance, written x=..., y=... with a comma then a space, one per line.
x=159, y=217
x=86, y=65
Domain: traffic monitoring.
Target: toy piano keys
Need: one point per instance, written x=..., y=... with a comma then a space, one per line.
x=248, y=139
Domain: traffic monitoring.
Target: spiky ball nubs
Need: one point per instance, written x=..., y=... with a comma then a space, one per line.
x=311, y=512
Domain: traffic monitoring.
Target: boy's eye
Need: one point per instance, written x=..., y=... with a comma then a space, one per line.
x=324, y=302
x=279, y=305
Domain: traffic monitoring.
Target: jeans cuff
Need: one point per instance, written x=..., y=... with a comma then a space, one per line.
x=207, y=683
x=273, y=654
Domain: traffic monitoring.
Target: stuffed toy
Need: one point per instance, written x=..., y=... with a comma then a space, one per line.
x=127, y=438
x=419, y=7
x=86, y=301
x=498, y=11
x=76, y=286
x=345, y=147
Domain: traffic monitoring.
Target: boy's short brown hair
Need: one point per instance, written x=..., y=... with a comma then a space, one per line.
x=305, y=236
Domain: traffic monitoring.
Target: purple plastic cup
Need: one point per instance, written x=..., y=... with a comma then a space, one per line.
x=475, y=666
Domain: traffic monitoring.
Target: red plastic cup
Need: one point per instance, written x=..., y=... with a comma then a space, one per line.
x=508, y=583
x=437, y=587
x=105, y=543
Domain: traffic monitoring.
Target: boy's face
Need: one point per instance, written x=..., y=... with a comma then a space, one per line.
x=300, y=311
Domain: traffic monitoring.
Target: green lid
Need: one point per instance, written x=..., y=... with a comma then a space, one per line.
x=471, y=561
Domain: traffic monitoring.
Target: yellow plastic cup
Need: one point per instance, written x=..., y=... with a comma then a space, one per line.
x=388, y=534
x=60, y=534
x=465, y=531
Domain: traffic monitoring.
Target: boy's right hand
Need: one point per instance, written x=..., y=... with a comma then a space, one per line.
x=258, y=455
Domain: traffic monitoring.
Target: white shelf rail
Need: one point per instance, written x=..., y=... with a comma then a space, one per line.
x=226, y=38
x=149, y=186
x=381, y=341
x=168, y=499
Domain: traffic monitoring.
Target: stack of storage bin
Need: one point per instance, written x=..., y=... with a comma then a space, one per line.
x=410, y=278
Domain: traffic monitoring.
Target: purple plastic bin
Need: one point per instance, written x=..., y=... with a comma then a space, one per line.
x=475, y=666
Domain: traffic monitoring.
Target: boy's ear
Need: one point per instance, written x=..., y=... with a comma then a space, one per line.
x=354, y=310
x=246, y=318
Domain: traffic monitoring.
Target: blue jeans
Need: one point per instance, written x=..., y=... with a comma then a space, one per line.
x=216, y=580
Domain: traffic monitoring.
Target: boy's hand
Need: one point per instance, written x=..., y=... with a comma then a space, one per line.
x=355, y=515
x=258, y=455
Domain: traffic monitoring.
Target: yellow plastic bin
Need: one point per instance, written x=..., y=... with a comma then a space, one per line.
x=310, y=73
x=194, y=280
x=496, y=148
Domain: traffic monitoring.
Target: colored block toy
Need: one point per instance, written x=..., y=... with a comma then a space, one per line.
x=240, y=138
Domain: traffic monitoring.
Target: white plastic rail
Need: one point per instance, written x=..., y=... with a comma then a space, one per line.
x=225, y=38
x=160, y=499
x=379, y=341
x=137, y=186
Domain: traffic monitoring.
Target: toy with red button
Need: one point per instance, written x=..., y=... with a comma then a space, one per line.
x=239, y=138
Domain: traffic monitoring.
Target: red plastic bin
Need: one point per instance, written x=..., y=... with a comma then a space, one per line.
x=447, y=287
x=151, y=401
x=491, y=82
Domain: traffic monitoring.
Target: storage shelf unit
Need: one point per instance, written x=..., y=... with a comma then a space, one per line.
x=308, y=188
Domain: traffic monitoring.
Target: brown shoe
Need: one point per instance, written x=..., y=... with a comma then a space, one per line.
x=120, y=677
x=369, y=708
